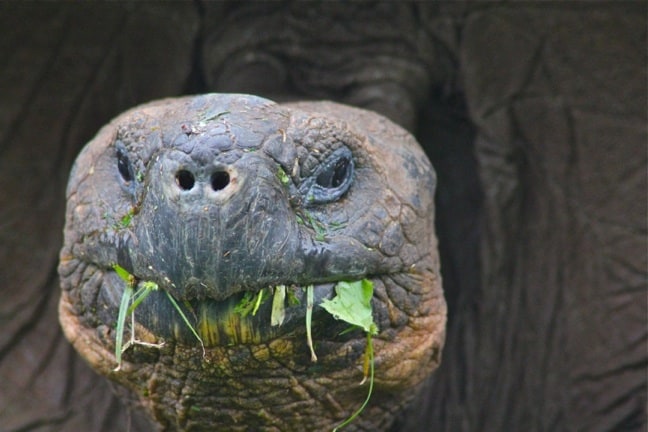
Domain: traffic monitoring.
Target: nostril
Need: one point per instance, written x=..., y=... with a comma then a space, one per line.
x=220, y=180
x=185, y=179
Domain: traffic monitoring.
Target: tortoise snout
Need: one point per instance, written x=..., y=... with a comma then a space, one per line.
x=196, y=181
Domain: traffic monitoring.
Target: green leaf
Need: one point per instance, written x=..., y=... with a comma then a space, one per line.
x=352, y=304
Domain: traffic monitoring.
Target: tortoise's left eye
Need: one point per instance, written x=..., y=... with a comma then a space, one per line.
x=331, y=179
x=124, y=165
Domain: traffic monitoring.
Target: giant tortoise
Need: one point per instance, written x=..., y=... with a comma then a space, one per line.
x=221, y=198
x=532, y=114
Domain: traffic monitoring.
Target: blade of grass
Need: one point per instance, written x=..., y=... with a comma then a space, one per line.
x=371, y=384
x=121, y=320
x=309, y=317
x=258, y=302
x=186, y=320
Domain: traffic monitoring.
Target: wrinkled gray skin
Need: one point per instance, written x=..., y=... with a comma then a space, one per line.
x=533, y=115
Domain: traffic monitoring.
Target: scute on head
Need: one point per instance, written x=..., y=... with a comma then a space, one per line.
x=316, y=193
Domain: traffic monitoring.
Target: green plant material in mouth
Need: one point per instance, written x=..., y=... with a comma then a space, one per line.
x=123, y=307
x=369, y=362
x=352, y=304
x=184, y=318
x=245, y=305
x=129, y=302
x=291, y=295
x=257, y=303
x=309, y=316
x=250, y=303
x=278, y=307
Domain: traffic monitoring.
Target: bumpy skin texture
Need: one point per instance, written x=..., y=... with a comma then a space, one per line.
x=278, y=219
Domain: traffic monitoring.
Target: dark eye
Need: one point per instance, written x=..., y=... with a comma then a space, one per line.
x=124, y=165
x=335, y=175
x=331, y=179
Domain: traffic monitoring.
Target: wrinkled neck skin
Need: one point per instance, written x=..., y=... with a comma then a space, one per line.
x=215, y=196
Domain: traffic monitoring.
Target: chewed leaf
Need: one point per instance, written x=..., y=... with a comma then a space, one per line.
x=352, y=304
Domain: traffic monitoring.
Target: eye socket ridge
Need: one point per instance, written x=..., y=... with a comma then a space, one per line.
x=331, y=179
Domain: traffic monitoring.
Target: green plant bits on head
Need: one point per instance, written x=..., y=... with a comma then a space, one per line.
x=283, y=177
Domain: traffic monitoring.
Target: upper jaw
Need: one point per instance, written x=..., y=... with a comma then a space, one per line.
x=195, y=261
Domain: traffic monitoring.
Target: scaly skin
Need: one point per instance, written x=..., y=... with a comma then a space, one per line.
x=215, y=195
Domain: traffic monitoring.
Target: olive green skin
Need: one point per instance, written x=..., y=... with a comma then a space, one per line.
x=206, y=246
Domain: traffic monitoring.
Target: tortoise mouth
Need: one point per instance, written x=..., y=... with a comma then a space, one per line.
x=247, y=317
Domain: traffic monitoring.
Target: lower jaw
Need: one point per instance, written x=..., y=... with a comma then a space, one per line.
x=235, y=367
x=233, y=388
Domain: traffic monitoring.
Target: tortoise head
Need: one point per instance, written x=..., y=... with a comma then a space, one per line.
x=211, y=204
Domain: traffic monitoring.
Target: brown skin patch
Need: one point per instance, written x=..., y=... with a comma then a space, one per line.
x=377, y=224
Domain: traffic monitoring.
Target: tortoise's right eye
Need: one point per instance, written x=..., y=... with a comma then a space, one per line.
x=331, y=179
x=124, y=165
